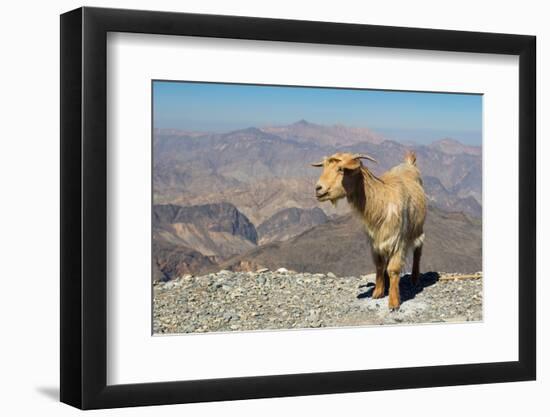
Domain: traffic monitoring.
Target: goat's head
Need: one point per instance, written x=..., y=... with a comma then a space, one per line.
x=339, y=174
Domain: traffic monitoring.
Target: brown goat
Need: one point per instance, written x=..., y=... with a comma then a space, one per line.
x=392, y=208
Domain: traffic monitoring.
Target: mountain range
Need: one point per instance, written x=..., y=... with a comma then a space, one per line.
x=242, y=197
x=206, y=238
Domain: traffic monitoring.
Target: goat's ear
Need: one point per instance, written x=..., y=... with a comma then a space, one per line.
x=352, y=164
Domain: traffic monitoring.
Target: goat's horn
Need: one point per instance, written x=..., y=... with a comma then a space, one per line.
x=319, y=164
x=364, y=156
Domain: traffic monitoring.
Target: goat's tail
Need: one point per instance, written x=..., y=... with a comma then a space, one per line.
x=410, y=158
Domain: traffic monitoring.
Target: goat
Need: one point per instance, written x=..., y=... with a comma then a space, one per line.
x=392, y=208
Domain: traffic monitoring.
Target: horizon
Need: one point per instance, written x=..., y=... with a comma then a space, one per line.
x=384, y=137
x=402, y=116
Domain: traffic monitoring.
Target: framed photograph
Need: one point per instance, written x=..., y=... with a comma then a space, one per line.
x=257, y=208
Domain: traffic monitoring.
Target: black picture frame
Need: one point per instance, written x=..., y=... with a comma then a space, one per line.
x=84, y=207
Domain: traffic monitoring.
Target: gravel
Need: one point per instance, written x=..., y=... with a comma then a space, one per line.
x=283, y=299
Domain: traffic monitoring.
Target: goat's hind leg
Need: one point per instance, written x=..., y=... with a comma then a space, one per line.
x=417, y=254
x=416, y=265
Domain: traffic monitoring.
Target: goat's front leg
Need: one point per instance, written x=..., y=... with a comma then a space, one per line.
x=394, y=271
x=380, y=287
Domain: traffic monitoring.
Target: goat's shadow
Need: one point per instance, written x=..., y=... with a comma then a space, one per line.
x=407, y=289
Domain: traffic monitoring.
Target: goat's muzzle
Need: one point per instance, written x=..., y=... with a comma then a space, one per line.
x=320, y=192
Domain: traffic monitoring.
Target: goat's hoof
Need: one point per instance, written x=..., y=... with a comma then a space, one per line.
x=394, y=309
x=378, y=293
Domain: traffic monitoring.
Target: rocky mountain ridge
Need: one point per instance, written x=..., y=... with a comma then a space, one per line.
x=288, y=223
x=188, y=239
x=210, y=237
x=453, y=243
x=191, y=169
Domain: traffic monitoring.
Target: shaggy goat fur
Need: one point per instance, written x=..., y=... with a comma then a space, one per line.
x=392, y=208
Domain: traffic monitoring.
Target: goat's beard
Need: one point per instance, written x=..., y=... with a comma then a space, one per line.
x=334, y=202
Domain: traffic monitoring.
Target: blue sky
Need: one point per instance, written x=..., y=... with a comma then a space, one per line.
x=419, y=117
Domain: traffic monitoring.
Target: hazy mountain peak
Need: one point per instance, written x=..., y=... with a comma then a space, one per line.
x=302, y=122
x=447, y=141
x=454, y=147
x=250, y=129
x=249, y=132
x=325, y=135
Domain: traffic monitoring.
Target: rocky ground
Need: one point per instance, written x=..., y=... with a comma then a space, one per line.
x=282, y=299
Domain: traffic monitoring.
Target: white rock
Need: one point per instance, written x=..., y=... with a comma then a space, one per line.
x=186, y=276
x=224, y=272
x=282, y=271
x=368, y=277
x=331, y=275
x=261, y=270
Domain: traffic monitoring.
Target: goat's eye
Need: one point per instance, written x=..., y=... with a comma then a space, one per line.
x=340, y=170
